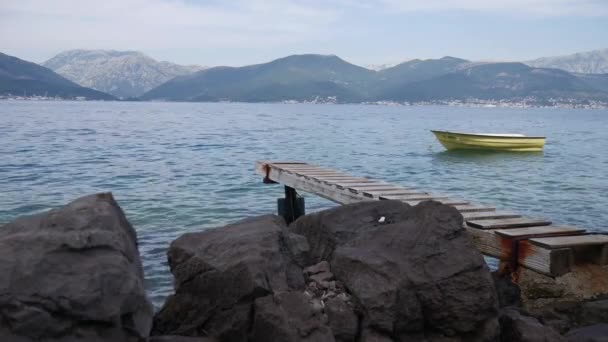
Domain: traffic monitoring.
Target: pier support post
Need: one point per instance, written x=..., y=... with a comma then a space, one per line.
x=292, y=206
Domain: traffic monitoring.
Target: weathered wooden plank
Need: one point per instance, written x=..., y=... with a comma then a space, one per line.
x=319, y=173
x=320, y=189
x=379, y=193
x=543, y=260
x=552, y=262
x=426, y=197
x=374, y=185
x=488, y=215
x=540, y=231
x=380, y=188
x=571, y=241
x=591, y=248
x=519, y=222
x=471, y=208
x=446, y=201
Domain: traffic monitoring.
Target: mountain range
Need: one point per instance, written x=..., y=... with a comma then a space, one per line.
x=592, y=62
x=318, y=77
x=19, y=78
x=309, y=77
x=123, y=74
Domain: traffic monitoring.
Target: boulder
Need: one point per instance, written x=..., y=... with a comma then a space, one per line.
x=516, y=327
x=509, y=293
x=73, y=274
x=289, y=317
x=219, y=273
x=564, y=316
x=343, y=321
x=593, y=333
x=173, y=338
x=415, y=272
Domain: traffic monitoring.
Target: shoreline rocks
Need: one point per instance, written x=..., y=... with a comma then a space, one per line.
x=73, y=274
x=338, y=275
x=378, y=271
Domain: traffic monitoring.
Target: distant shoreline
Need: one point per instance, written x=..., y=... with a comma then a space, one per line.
x=473, y=103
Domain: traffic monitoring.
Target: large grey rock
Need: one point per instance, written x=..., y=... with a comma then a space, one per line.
x=593, y=333
x=516, y=327
x=565, y=316
x=173, y=338
x=73, y=274
x=289, y=317
x=342, y=319
x=218, y=275
x=417, y=272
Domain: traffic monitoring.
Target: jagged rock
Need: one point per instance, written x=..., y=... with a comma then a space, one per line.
x=509, y=294
x=297, y=247
x=218, y=275
x=372, y=336
x=73, y=274
x=416, y=272
x=593, y=333
x=288, y=317
x=173, y=338
x=342, y=320
x=564, y=316
x=516, y=327
x=322, y=277
x=322, y=267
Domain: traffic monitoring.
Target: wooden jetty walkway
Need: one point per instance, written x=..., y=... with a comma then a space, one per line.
x=534, y=243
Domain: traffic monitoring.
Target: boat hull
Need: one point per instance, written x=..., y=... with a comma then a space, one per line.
x=464, y=141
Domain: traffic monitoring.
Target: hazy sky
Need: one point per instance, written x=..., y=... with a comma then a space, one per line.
x=239, y=32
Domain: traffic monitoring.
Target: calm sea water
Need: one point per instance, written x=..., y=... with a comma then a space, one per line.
x=183, y=167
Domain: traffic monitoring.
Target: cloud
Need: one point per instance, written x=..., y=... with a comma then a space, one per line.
x=534, y=7
x=154, y=24
x=37, y=29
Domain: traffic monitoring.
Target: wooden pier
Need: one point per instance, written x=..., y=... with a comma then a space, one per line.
x=532, y=242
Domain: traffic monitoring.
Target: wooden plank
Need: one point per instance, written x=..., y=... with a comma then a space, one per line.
x=446, y=201
x=543, y=260
x=552, y=262
x=571, y=241
x=591, y=248
x=508, y=223
x=372, y=184
x=540, y=231
x=488, y=215
x=320, y=189
x=319, y=173
x=470, y=208
x=397, y=192
x=379, y=187
x=426, y=197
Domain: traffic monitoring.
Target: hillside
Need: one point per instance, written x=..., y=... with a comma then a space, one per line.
x=298, y=77
x=509, y=81
x=329, y=78
x=19, y=77
x=120, y=73
x=592, y=62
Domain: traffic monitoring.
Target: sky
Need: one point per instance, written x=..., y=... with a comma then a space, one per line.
x=365, y=32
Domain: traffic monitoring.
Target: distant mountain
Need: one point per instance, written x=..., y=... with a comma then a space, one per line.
x=19, y=77
x=298, y=77
x=500, y=81
x=416, y=70
x=120, y=73
x=325, y=78
x=592, y=62
x=378, y=67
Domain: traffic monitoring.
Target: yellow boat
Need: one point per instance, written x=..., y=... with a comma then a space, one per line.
x=485, y=141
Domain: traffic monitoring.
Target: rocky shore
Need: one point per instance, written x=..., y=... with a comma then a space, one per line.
x=366, y=272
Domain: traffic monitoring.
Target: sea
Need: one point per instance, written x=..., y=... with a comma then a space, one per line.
x=186, y=167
